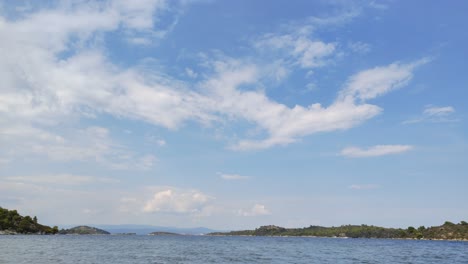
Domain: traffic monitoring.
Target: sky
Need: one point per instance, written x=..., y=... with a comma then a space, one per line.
x=234, y=114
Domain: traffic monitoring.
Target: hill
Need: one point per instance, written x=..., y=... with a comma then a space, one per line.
x=447, y=231
x=11, y=222
x=83, y=230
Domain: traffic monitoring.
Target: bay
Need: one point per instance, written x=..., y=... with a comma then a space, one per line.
x=205, y=249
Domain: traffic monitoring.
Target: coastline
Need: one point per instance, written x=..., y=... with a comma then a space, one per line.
x=371, y=238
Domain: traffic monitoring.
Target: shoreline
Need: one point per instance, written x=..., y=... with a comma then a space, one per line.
x=423, y=239
x=12, y=233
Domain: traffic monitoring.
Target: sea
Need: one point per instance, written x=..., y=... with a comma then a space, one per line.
x=115, y=249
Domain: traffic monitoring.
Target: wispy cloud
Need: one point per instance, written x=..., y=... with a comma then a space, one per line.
x=438, y=111
x=375, y=151
x=435, y=114
x=369, y=84
x=303, y=51
x=232, y=177
x=297, y=44
x=359, y=47
x=286, y=125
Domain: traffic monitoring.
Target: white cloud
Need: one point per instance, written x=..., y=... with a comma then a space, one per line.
x=256, y=210
x=435, y=114
x=303, y=51
x=233, y=177
x=41, y=86
x=283, y=124
x=172, y=200
x=286, y=125
x=438, y=111
x=296, y=44
x=363, y=186
x=375, y=151
x=375, y=82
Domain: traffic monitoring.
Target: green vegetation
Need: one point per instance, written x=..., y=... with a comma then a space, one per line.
x=447, y=231
x=13, y=223
x=83, y=230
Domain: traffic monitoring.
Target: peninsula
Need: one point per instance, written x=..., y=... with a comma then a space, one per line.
x=447, y=231
x=12, y=223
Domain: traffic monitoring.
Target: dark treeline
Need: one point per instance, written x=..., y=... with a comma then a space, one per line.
x=12, y=222
x=448, y=230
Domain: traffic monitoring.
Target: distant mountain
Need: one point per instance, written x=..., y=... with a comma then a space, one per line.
x=146, y=229
x=83, y=230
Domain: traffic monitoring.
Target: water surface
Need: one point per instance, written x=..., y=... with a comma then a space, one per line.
x=202, y=249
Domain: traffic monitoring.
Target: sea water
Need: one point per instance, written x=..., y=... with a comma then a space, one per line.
x=205, y=249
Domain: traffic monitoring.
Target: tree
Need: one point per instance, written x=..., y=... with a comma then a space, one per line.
x=35, y=219
x=24, y=225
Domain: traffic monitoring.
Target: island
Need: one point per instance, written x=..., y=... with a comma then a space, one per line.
x=447, y=231
x=83, y=230
x=12, y=223
x=163, y=234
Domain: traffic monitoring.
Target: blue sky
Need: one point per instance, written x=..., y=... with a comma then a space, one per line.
x=234, y=114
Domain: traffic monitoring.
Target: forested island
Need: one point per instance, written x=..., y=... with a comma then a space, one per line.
x=447, y=231
x=11, y=222
x=83, y=230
